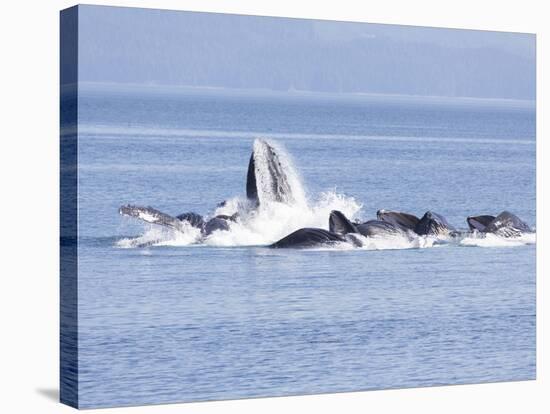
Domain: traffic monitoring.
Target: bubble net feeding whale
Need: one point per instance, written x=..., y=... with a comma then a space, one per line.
x=277, y=213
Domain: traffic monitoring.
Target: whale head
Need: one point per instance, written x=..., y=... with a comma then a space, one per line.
x=433, y=224
x=271, y=176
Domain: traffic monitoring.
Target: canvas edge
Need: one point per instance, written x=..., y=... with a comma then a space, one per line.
x=68, y=241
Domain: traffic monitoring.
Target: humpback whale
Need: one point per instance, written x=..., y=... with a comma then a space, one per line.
x=506, y=224
x=433, y=224
x=479, y=222
x=379, y=228
x=340, y=230
x=267, y=178
x=340, y=224
x=154, y=216
x=404, y=221
x=430, y=224
x=308, y=237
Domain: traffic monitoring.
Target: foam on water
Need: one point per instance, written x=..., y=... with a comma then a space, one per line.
x=272, y=221
x=162, y=236
x=492, y=240
x=397, y=242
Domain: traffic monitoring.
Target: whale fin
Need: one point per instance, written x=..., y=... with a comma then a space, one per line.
x=479, y=222
x=151, y=215
x=339, y=223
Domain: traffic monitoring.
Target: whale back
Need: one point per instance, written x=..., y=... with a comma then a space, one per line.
x=373, y=228
x=308, y=237
x=401, y=220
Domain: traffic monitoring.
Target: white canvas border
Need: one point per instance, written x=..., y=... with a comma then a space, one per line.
x=29, y=162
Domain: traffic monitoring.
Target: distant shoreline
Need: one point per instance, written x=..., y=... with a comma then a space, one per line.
x=87, y=86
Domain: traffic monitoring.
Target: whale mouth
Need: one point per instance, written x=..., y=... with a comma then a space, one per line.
x=433, y=224
x=272, y=177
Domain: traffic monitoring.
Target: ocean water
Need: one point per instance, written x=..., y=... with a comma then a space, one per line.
x=228, y=317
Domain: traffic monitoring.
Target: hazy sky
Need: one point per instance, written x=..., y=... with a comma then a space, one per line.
x=127, y=45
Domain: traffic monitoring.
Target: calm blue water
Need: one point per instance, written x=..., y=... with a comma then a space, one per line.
x=189, y=323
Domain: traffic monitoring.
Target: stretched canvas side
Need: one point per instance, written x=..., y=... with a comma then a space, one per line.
x=68, y=206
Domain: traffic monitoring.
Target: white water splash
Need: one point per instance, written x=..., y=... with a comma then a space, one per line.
x=492, y=240
x=393, y=242
x=272, y=221
x=253, y=227
x=162, y=236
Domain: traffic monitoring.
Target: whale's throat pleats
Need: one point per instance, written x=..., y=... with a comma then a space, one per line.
x=272, y=177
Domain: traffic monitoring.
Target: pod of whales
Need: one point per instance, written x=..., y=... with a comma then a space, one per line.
x=392, y=223
x=267, y=182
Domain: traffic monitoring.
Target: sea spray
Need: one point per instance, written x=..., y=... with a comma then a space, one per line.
x=272, y=221
x=492, y=240
x=162, y=236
